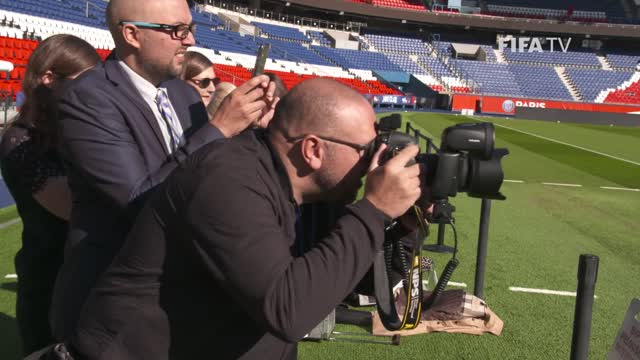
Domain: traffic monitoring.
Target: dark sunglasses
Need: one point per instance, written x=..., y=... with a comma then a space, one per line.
x=368, y=149
x=204, y=83
x=180, y=31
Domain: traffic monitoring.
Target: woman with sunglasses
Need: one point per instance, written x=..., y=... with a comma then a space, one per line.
x=197, y=71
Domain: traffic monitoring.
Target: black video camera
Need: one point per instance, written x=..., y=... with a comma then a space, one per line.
x=465, y=162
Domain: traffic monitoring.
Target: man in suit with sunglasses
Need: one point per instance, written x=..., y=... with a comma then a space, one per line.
x=125, y=126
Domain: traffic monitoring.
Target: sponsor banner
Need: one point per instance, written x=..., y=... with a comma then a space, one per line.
x=509, y=106
x=391, y=99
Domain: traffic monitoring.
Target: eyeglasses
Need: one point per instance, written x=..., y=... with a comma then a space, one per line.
x=367, y=149
x=204, y=83
x=180, y=31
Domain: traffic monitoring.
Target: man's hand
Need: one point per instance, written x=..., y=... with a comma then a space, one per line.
x=394, y=188
x=409, y=219
x=267, y=113
x=248, y=104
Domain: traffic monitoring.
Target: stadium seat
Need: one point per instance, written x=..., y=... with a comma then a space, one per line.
x=295, y=59
x=590, y=83
x=627, y=93
x=400, y=4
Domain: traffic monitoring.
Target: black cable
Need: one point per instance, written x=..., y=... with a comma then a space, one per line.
x=446, y=273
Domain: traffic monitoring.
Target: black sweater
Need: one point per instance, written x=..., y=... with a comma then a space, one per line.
x=209, y=269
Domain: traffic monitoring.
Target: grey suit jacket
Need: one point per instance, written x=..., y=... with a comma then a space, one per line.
x=115, y=154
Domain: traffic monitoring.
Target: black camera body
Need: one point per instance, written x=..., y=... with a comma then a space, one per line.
x=465, y=162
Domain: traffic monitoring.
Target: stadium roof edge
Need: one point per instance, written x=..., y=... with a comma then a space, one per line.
x=474, y=21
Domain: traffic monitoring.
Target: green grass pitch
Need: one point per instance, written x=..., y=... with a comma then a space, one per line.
x=535, y=239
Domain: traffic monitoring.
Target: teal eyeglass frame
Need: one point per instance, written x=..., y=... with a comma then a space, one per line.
x=180, y=31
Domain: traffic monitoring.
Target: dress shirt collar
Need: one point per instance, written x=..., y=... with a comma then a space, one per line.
x=146, y=89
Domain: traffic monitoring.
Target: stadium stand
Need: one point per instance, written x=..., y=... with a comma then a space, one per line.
x=397, y=44
x=540, y=13
x=355, y=59
x=584, y=11
x=400, y=4
x=300, y=52
x=621, y=60
x=222, y=40
x=319, y=37
x=627, y=93
x=494, y=79
x=16, y=51
x=363, y=44
x=233, y=73
x=207, y=19
x=591, y=82
x=281, y=32
x=68, y=11
x=539, y=82
x=443, y=73
x=407, y=64
x=555, y=58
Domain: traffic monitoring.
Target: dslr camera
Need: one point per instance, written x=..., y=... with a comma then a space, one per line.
x=465, y=162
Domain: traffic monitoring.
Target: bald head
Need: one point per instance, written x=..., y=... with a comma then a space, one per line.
x=319, y=130
x=322, y=106
x=156, y=11
x=156, y=54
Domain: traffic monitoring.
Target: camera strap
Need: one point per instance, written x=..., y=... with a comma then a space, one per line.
x=412, y=278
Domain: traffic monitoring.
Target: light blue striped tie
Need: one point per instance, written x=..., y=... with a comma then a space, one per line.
x=173, y=125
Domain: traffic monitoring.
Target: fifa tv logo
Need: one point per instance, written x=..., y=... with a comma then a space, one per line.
x=533, y=44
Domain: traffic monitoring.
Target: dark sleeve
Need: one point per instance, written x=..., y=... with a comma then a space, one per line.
x=24, y=165
x=185, y=97
x=238, y=237
x=100, y=146
x=202, y=136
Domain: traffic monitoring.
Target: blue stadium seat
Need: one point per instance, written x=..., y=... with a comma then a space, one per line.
x=397, y=44
x=319, y=37
x=591, y=82
x=281, y=32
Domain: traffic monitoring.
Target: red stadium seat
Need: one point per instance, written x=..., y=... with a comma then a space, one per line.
x=401, y=4
x=630, y=95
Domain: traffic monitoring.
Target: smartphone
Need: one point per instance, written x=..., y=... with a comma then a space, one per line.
x=261, y=59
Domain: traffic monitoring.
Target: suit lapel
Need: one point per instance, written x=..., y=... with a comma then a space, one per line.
x=115, y=73
x=178, y=101
x=188, y=106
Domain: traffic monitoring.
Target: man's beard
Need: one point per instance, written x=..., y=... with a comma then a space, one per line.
x=334, y=189
x=161, y=73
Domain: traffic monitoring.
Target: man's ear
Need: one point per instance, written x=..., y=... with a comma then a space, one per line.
x=131, y=35
x=313, y=153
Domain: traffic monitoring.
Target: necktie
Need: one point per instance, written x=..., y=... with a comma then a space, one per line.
x=173, y=125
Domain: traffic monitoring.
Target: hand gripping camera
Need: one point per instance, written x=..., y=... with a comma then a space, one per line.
x=465, y=162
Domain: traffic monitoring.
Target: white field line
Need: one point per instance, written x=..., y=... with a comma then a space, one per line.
x=567, y=144
x=458, y=284
x=619, y=188
x=9, y=223
x=544, y=291
x=575, y=185
x=11, y=276
x=559, y=184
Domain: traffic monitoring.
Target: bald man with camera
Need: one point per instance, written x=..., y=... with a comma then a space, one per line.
x=211, y=269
